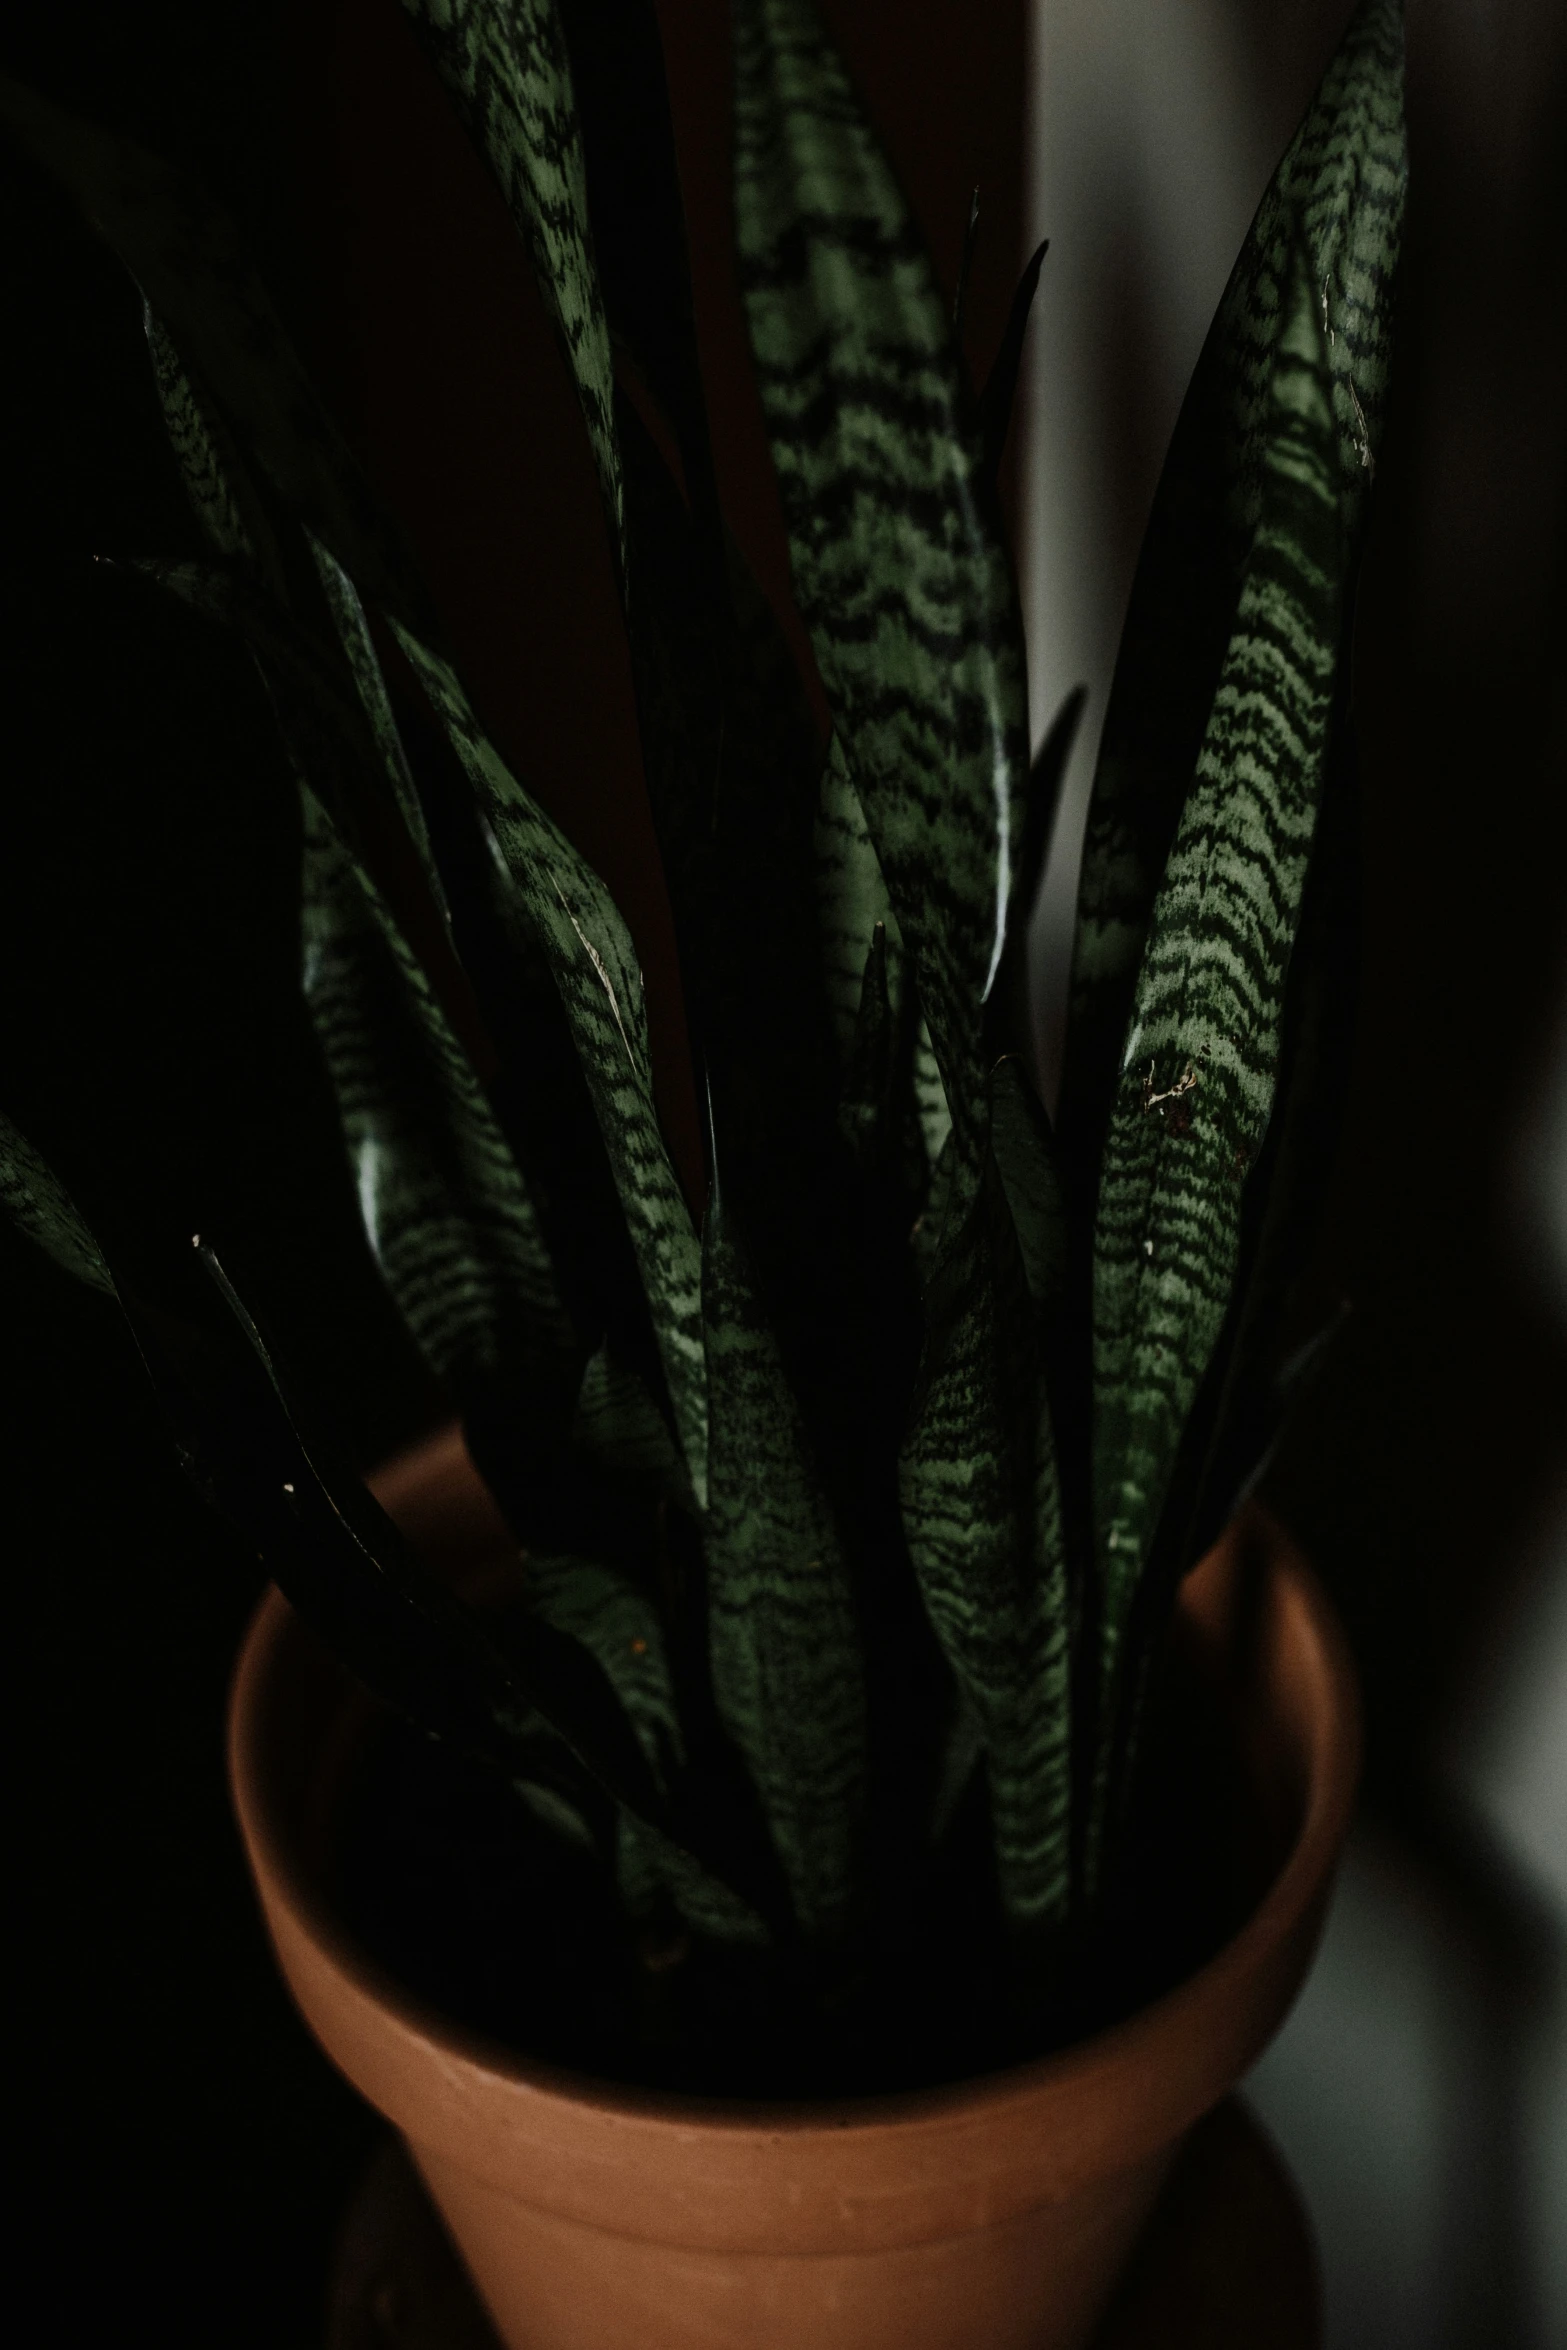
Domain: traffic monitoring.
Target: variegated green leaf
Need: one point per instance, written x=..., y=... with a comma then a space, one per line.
x=406, y=1631
x=505, y=66
x=622, y=1437
x=353, y=634
x=787, y=1677
x=186, y=253
x=1339, y=191
x=995, y=401
x=1020, y=1143
x=444, y=1207
x=556, y=903
x=731, y=759
x=1197, y=1077
x=230, y=510
x=639, y=235
x=619, y=1625
x=908, y=596
x=560, y=902
x=981, y=1504
x=898, y=571
x=39, y=1206
x=220, y=490
x=852, y=902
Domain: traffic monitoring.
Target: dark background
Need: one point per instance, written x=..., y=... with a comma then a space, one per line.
x=186, y=2147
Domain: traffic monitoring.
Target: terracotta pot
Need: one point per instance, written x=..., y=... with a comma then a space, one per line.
x=990, y=2216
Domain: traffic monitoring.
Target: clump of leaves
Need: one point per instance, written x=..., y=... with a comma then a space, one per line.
x=853, y=1511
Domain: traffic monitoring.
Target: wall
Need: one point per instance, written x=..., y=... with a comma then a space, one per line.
x=1420, y=2090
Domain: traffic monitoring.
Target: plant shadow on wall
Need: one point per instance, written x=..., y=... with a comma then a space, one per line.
x=856, y=1461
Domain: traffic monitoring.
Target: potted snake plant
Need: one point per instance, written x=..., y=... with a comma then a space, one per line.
x=796, y=1889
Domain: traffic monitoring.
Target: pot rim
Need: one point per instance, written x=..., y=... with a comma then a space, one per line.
x=296, y=1897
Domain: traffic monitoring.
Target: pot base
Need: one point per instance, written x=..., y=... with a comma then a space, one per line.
x=1226, y=2261
x=993, y=2214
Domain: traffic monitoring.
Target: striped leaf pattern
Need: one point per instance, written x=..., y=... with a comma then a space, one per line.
x=713, y=1419
x=1197, y=1078
x=620, y=1627
x=621, y=1435
x=42, y=1210
x=506, y=69
x=443, y=1205
x=219, y=488
x=851, y=899
x=781, y=1629
x=353, y=635
x=226, y=503
x=981, y=1502
x=176, y=239
x=904, y=587
x=908, y=596
x=1340, y=192
x=852, y=903
x=560, y=902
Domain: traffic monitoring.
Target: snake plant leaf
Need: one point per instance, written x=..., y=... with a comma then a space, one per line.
x=446, y=1211
x=726, y=734
x=353, y=634
x=622, y=1436
x=454, y=1231
x=233, y=514
x=345, y=1568
x=995, y=401
x=187, y=256
x=1023, y=1149
x=1340, y=189
x=731, y=758
x=617, y=1623
x=898, y=572
x=908, y=596
x=506, y=69
x=557, y=906
x=396, y=1621
x=560, y=903
x=962, y=1754
x=869, y=1103
x=1009, y=1013
x=1198, y=1075
x=787, y=1676
x=1250, y=1387
x=852, y=903
x=621, y=1626
x=39, y=1206
x=539, y=1090
x=981, y=1503
x=217, y=482
x=639, y=232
